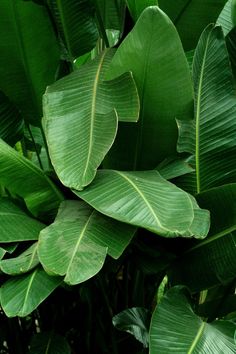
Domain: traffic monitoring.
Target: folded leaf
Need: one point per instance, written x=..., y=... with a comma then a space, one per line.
x=225, y=17
x=217, y=251
x=192, y=14
x=144, y=199
x=210, y=137
x=23, y=178
x=80, y=118
x=76, y=244
x=21, y=264
x=76, y=24
x=15, y=224
x=24, y=71
x=176, y=329
x=165, y=93
x=21, y=295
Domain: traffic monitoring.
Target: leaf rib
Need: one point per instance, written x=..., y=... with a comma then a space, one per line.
x=196, y=339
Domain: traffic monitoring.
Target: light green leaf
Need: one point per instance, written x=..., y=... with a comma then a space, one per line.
x=76, y=24
x=145, y=199
x=217, y=251
x=21, y=264
x=22, y=294
x=136, y=7
x=23, y=178
x=176, y=329
x=76, y=244
x=80, y=112
x=191, y=17
x=225, y=17
x=49, y=343
x=135, y=321
x=15, y=224
x=210, y=137
x=165, y=93
x=173, y=167
x=11, y=122
x=24, y=70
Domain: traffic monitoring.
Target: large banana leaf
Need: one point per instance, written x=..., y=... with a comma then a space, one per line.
x=22, y=263
x=191, y=17
x=76, y=25
x=15, y=224
x=145, y=199
x=76, y=244
x=165, y=92
x=21, y=295
x=23, y=178
x=136, y=7
x=49, y=343
x=11, y=122
x=112, y=13
x=231, y=46
x=80, y=118
x=225, y=18
x=176, y=329
x=29, y=55
x=211, y=136
x=217, y=252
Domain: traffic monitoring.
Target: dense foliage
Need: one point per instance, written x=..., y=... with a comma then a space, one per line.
x=117, y=176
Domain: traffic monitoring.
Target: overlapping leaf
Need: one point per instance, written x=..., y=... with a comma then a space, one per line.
x=22, y=263
x=22, y=294
x=191, y=17
x=76, y=244
x=23, y=178
x=211, y=136
x=165, y=93
x=15, y=224
x=136, y=7
x=80, y=112
x=225, y=17
x=76, y=24
x=112, y=13
x=176, y=329
x=29, y=55
x=217, y=251
x=145, y=199
x=11, y=122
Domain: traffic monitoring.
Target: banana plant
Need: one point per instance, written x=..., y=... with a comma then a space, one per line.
x=117, y=160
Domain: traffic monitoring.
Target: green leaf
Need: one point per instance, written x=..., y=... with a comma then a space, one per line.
x=191, y=17
x=173, y=167
x=21, y=264
x=49, y=343
x=135, y=321
x=225, y=17
x=136, y=7
x=80, y=118
x=210, y=137
x=165, y=93
x=76, y=24
x=176, y=329
x=145, y=199
x=15, y=224
x=11, y=122
x=22, y=294
x=24, y=71
x=112, y=13
x=217, y=251
x=23, y=178
x=231, y=46
x=76, y=244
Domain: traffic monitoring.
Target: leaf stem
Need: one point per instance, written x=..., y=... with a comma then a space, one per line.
x=35, y=146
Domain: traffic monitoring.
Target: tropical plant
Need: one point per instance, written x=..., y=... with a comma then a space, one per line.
x=117, y=176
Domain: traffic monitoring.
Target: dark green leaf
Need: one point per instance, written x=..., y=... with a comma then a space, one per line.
x=49, y=343
x=176, y=329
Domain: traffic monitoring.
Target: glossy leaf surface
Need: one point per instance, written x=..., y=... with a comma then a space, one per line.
x=76, y=244
x=81, y=111
x=145, y=199
x=165, y=93
x=175, y=328
x=21, y=295
x=210, y=137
